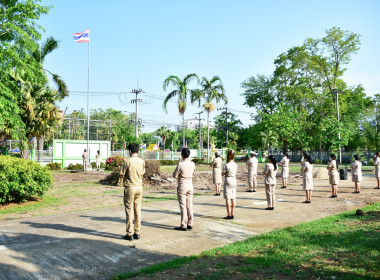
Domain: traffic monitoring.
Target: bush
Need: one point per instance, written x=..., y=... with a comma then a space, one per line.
x=76, y=166
x=53, y=166
x=197, y=160
x=22, y=179
x=114, y=163
x=93, y=165
x=168, y=162
x=370, y=162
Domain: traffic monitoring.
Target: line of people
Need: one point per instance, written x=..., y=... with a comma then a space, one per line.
x=133, y=169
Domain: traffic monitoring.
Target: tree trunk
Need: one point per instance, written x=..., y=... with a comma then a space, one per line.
x=183, y=130
x=40, y=142
x=208, y=136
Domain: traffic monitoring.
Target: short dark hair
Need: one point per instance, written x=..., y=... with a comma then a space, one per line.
x=185, y=152
x=133, y=147
x=85, y=150
x=309, y=159
x=356, y=157
x=272, y=159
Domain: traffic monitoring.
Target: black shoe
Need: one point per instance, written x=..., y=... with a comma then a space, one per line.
x=271, y=208
x=249, y=191
x=189, y=227
x=309, y=201
x=180, y=228
x=232, y=217
x=128, y=237
x=227, y=218
x=268, y=208
x=283, y=187
x=216, y=194
x=333, y=196
x=254, y=190
x=305, y=201
x=136, y=236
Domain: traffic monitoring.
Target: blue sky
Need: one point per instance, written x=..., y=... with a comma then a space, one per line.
x=150, y=40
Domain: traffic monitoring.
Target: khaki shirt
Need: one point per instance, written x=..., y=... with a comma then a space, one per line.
x=252, y=165
x=270, y=174
x=85, y=156
x=216, y=163
x=356, y=168
x=133, y=169
x=184, y=171
x=333, y=168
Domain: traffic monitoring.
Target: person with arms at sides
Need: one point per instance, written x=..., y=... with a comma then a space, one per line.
x=131, y=173
x=270, y=172
x=229, y=187
x=97, y=156
x=307, y=169
x=85, y=160
x=184, y=172
x=376, y=162
x=356, y=172
x=333, y=176
x=216, y=165
x=285, y=169
x=252, y=171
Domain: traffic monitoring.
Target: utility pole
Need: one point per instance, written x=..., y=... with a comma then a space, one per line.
x=226, y=113
x=337, y=91
x=136, y=101
x=199, y=126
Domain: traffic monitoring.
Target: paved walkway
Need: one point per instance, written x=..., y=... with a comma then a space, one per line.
x=88, y=244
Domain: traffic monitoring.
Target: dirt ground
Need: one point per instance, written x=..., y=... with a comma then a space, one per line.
x=79, y=191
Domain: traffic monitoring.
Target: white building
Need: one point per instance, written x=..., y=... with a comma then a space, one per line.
x=194, y=124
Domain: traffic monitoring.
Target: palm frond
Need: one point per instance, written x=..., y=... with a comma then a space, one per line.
x=167, y=98
x=173, y=80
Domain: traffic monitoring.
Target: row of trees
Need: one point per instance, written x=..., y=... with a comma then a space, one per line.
x=27, y=102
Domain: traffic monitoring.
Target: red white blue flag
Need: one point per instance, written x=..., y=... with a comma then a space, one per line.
x=82, y=37
x=31, y=140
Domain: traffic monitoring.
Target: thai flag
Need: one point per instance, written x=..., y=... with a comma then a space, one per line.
x=30, y=140
x=82, y=37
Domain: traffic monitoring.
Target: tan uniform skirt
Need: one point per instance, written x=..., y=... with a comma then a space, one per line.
x=229, y=189
x=334, y=179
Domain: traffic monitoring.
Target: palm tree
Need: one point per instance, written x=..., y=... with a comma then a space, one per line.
x=163, y=132
x=269, y=137
x=211, y=90
x=182, y=92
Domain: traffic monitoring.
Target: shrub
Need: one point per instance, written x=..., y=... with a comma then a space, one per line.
x=53, y=166
x=22, y=179
x=76, y=166
x=93, y=165
x=114, y=163
x=198, y=160
x=370, y=162
x=168, y=162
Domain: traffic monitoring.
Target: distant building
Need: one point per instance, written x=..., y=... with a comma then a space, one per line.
x=194, y=124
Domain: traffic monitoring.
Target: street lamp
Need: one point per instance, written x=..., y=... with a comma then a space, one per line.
x=336, y=91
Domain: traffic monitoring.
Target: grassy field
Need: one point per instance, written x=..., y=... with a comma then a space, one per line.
x=344, y=246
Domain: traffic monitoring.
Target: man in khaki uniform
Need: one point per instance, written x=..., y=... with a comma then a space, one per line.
x=252, y=172
x=132, y=172
x=184, y=172
x=85, y=160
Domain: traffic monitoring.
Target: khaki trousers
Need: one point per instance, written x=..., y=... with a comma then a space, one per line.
x=185, y=200
x=85, y=162
x=132, y=202
x=252, y=182
x=271, y=195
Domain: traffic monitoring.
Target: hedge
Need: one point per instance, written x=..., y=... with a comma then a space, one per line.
x=22, y=179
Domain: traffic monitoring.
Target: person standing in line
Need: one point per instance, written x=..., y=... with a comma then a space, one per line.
x=377, y=169
x=356, y=173
x=252, y=164
x=97, y=156
x=333, y=176
x=270, y=172
x=85, y=160
x=229, y=187
x=184, y=172
x=131, y=172
x=285, y=169
x=216, y=165
x=307, y=169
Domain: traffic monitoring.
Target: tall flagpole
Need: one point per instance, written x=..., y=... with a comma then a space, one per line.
x=88, y=97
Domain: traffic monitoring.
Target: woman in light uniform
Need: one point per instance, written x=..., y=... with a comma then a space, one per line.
x=356, y=173
x=229, y=188
x=270, y=172
x=217, y=172
x=285, y=169
x=333, y=176
x=307, y=169
x=377, y=169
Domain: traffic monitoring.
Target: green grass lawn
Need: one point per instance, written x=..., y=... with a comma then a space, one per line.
x=344, y=246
